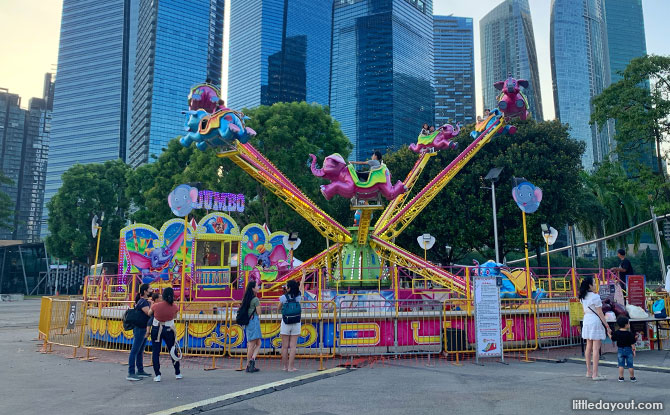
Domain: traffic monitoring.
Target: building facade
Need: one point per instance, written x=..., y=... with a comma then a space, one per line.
x=177, y=47
x=24, y=146
x=283, y=56
x=508, y=47
x=382, y=87
x=580, y=71
x=454, y=69
x=91, y=94
x=627, y=41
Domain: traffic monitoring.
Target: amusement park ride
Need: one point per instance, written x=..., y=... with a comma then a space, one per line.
x=362, y=256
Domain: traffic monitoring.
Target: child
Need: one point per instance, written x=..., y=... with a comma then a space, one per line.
x=625, y=341
x=373, y=163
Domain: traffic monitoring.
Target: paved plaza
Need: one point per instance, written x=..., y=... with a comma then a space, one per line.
x=35, y=383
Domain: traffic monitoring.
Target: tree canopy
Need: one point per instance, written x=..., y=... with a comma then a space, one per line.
x=87, y=190
x=640, y=105
x=461, y=215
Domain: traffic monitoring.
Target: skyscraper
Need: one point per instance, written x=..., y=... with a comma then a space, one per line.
x=508, y=47
x=91, y=93
x=24, y=143
x=279, y=52
x=580, y=71
x=627, y=41
x=381, y=87
x=178, y=45
x=454, y=57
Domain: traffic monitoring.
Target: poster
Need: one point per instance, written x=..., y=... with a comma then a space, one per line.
x=635, y=287
x=607, y=291
x=488, y=325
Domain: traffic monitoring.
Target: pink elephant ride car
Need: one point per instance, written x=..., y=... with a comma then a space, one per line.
x=511, y=101
x=345, y=181
x=440, y=139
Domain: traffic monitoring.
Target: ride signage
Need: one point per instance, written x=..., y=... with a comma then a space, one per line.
x=488, y=324
x=635, y=288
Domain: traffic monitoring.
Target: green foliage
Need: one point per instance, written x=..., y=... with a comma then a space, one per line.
x=287, y=133
x=6, y=206
x=88, y=190
x=640, y=105
x=461, y=215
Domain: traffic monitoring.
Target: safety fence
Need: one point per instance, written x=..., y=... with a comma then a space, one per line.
x=348, y=326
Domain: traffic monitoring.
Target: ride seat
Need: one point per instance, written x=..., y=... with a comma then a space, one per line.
x=376, y=175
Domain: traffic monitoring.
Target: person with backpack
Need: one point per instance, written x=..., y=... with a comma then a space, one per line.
x=248, y=315
x=290, y=321
x=163, y=330
x=136, y=358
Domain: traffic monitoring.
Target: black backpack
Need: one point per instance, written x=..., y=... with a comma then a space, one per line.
x=291, y=310
x=243, y=317
x=132, y=318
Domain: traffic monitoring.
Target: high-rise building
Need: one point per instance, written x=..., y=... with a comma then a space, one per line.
x=454, y=57
x=279, y=51
x=91, y=100
x=381, y=87
x=508, y=47
x=24, y=144
x=627, y=41
x=580, y=71
x=178, y=45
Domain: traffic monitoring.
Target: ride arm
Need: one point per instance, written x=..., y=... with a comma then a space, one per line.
x=398, y=222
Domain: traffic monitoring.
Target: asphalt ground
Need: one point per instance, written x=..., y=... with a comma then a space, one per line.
x=39, y=383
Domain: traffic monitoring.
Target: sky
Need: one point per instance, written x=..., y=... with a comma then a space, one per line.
x=29, y=46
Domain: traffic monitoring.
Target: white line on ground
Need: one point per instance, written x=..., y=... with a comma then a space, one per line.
x=233, y=395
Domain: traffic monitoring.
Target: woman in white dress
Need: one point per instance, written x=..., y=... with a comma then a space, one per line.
x=593, y=330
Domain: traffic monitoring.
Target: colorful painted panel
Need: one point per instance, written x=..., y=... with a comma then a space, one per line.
x=218, y=223
x=268, y=249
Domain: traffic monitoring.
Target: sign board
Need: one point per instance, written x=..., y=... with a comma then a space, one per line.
x=607, y=291
x=635, y=288
x=488, y=324
x=72, y=316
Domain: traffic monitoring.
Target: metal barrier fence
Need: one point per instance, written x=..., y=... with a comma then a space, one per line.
x=349, y=326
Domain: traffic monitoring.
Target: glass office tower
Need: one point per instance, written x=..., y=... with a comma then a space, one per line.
x=279, y=52
x=508, y=47
x=381, y=87
x=178, y=45
x=580, y=71
x=90, y=98
x=454, y=55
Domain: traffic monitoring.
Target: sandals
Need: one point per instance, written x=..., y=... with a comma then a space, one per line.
x=599, y=377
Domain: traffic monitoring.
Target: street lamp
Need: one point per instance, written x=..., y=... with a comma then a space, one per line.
x=493, y=176
x=292, y=242
x=426, y=241
x=448, y=249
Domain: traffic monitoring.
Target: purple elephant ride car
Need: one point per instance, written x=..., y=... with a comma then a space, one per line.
x=512, y=102
x=345, y=182
x=438, y=140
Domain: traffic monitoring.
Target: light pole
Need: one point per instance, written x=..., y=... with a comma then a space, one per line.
x=448, y=249
x=658, y=240
x=550, y=234
x=493, y=176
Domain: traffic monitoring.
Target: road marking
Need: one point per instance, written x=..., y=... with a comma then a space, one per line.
x=268, y=388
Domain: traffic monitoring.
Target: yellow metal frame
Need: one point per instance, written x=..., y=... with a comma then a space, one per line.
x=397, y=223
x=278, y=186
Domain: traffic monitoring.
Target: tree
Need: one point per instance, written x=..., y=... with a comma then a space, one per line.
x=640, y=105
x=461, y=214
x=287, y=134
x=87, y=190
x=6, y=205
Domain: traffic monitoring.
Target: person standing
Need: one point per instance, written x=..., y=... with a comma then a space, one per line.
x=594, y=329
x=290, y=323
x=136, y=357
x=163, y=330
x=252, y=304
x=624, y=269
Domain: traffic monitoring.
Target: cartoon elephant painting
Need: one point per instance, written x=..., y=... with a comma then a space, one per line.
x=439, y=140
x=345, y=182
x=511, y=101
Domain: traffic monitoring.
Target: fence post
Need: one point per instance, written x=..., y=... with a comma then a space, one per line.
x=468, y=295
x=395, y=281
x=132, y=289
x=574, y=283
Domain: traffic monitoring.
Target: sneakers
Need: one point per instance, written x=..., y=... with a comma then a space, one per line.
x=179, y=376
x=599, y=377
x=157, y=378
x=251, y=367
x=133, y=377
x=633, y=379
x=143, y=374
x=620, y=379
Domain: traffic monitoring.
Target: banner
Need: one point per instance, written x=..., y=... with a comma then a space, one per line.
x=488, y=324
